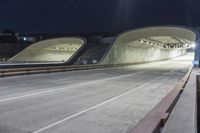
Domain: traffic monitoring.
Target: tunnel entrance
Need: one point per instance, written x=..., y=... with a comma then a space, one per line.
x=149, y=44
x=57, y=50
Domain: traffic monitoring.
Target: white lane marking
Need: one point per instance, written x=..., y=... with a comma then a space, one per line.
x=98, y=105
x=34, y=93
x=93, y=107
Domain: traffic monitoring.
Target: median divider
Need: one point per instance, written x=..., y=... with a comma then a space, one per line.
x=155, y=120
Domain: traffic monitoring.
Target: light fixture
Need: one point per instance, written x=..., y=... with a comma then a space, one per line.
x=193, y=45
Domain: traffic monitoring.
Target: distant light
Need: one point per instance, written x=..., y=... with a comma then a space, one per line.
x=193, y=45
x=141, y=41
x=25, y=39
x=147, y=42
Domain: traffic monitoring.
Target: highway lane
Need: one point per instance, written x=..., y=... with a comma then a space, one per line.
x=108, y=100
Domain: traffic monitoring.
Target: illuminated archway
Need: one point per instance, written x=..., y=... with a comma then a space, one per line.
x=51, y=50
x=149, y=44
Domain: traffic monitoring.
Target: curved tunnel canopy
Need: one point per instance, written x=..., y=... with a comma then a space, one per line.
x=149, y=44
x=52, y=50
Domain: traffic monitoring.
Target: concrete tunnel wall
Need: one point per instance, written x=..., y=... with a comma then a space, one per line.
x=197, y=49
x=51, y=50
x=127, y=49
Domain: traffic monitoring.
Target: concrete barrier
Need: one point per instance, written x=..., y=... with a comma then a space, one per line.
x=183, y=118
x=155, y=120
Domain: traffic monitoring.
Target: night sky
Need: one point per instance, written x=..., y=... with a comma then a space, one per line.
x=78, y=16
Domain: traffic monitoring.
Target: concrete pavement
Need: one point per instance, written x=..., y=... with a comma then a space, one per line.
x=110, y=100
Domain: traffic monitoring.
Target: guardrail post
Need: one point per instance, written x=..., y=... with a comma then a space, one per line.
x=27, y=71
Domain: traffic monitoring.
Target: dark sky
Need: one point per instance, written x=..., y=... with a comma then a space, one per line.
x=75, y=16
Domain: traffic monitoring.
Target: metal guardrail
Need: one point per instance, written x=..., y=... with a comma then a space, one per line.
x=35, y=70
x=50, y=69
x=155, y=120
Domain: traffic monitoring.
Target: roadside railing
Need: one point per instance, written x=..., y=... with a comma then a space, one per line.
x=35, y=70
x=51, y=69
x=26, y=70
x=155, y=120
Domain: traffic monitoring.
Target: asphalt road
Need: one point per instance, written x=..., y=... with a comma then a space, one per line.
x=111, y=100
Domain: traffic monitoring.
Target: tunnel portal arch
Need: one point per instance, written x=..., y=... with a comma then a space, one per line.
x=56, y=50
x=149, y=44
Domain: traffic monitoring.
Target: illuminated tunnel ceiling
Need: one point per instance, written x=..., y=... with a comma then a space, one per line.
x=167, y=42
x=165, y=37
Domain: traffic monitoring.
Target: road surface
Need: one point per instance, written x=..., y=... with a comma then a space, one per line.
x=111, y=100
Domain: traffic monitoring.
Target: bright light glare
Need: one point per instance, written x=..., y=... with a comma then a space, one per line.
x=193, y=45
